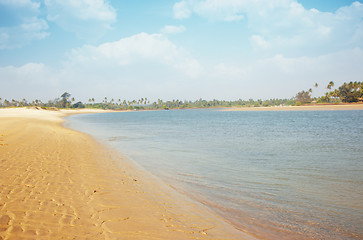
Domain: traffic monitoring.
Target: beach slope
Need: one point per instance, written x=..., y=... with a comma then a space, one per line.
x=57, y=183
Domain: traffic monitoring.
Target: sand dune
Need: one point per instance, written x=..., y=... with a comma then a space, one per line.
x=56, y=183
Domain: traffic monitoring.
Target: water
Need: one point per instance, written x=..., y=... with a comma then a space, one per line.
x=278, y=175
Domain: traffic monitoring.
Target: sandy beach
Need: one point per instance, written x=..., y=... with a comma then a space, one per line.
x=57, y=183
x=301, y=108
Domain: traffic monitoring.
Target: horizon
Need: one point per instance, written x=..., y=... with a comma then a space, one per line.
x=209, y=49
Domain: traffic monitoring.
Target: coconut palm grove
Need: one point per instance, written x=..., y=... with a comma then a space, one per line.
x=351, y=92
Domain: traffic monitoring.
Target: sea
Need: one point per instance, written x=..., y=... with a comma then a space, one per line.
x=275, y=174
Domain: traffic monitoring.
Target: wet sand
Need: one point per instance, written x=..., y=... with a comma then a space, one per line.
x=301, y=108
x=58, y=183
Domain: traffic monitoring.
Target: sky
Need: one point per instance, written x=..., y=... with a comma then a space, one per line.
x=177, y=49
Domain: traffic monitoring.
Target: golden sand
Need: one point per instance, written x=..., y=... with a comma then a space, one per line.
x=356, y=106
x=56, y=183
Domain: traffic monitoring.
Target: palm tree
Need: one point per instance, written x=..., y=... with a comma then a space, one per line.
x=356, y=85
x=160, y=102
x=335, y=94
x=23, y=102
x=330, y=85
x=6, y=103
x=65, y=97
x=111, y=103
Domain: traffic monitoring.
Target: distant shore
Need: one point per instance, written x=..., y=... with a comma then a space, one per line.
x=325, y=107
x=59, y=183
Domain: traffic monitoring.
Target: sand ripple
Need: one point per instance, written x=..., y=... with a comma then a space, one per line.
x=56, y=183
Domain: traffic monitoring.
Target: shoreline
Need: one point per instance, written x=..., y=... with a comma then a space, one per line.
x=325, y=107
x=61, y=183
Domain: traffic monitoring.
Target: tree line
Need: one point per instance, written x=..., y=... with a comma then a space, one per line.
x=347, y=93
x=65, y=101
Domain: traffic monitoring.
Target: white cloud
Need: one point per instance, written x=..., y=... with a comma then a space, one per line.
x=169, y=29
x=29, y=30
x=86, y=18
x=181, y=10
x=280, y=76
x=128, y=72
x=137, y=66
x=285, y=26
x=138, y=49
x=123, y=70
x=24, y=71
x=259, y=41
x=21, y=4
x=26, y=24
x=30, y=81
x=228, y=10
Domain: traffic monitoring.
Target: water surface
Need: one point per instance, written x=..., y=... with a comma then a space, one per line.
x=280, y=175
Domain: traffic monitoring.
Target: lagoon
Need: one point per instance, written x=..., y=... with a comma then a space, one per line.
x=285, y=175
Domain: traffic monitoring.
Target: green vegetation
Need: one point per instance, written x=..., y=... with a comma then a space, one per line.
x=144, y=104
x=303, y=97
x=347, y=93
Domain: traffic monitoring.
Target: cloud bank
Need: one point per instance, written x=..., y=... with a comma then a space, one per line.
x=284, y=26
x=149, y=65
x=143, y=65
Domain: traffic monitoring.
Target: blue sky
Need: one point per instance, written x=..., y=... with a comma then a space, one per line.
x=183, y=49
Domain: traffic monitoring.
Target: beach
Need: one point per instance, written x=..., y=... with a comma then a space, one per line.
x=58, y=183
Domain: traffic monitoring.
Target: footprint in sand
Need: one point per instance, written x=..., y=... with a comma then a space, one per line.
x=4, y=223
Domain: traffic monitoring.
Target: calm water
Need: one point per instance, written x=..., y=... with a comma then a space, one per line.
x=280, y=175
